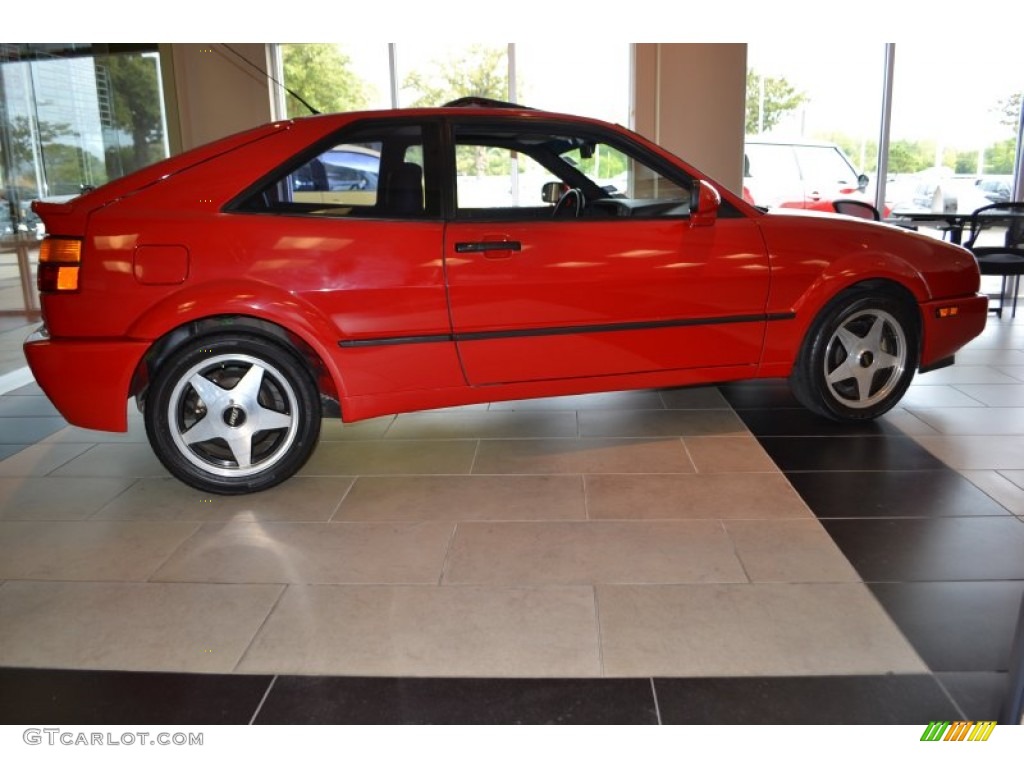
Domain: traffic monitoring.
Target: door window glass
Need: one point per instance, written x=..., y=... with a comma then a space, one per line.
x=516, y=171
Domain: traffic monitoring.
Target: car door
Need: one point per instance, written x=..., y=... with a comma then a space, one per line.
x=620, y=284
x=363, y=258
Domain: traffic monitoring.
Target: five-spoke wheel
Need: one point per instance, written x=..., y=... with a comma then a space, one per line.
x=859, y=357
x=233, y=414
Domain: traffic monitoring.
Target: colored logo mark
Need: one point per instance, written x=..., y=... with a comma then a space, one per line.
x=959, y=730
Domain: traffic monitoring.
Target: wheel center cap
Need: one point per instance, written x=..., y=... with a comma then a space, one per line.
x=234, y=416
x=866, y=359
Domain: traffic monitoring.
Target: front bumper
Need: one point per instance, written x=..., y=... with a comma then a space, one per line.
x=88, y=380
x=943, y=333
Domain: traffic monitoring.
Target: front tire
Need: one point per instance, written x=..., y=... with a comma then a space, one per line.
x=233, y=414
x=859, y=357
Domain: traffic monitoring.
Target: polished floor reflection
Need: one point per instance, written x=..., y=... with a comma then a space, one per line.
x=676, y=550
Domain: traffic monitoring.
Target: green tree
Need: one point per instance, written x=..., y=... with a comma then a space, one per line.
x=321, y=73
x=1000, y=156
x=480, y=71
x=966, y=161
x=910, y=156
x=1010, y=109
x=780, y=98
x=135, y=109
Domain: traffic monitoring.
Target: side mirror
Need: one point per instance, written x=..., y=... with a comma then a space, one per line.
x=552, y=191
x=862, y=182
x=704, y=203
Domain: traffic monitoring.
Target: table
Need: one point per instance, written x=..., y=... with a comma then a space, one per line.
x=1006, y=265
x=955, y=223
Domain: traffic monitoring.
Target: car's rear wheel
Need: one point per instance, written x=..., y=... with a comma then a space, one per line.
x=859, y=357
x=233, y=414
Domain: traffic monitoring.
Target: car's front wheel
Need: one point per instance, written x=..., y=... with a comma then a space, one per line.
x=233, y=414
x=859, y=357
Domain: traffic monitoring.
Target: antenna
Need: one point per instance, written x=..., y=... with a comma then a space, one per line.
x=273, y=79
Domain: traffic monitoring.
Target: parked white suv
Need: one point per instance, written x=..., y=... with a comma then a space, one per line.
x=804, y=174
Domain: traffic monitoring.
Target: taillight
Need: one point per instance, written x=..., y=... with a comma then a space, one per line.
x=59, y=262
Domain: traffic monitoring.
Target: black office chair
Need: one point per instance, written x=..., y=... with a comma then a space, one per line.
x=1006, y=260
x=857, y=208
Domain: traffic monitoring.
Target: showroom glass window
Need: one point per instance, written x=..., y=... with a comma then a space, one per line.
x=338, y=77
x=816, y=93
x=72, y=116
x=954, y=125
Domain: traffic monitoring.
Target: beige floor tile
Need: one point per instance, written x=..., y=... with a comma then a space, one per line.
x=595, y=552
x=1002, y=395
x=961, y=373
x=1006, y=487
x=312, y=553
x=333, y=430
x=907, y=423
x=425, y=631
x=483, y=425
x=938, y=396
x=87, y=551
x=974, y=421
x=114, y=460
x=641, y=399
x=592, y=455
x=136, y=434
x=660, y=423
x=789, y=550
x=392, y=457
x=300, y=499
x=41, y=459
x=699, y=496
x=728, y=454
x=1014, y=371
x=976, y=452
x=972, y=356
x=749, y=629
x=160, y=627
x=467, y=497
x=56, y=498
x=694, y=397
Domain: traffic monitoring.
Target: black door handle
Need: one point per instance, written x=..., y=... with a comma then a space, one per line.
x=489, y=245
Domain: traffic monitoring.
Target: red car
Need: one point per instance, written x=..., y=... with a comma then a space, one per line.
x=243, y=289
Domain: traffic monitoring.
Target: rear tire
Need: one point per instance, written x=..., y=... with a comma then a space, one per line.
x=233, y=414
x=859, y=357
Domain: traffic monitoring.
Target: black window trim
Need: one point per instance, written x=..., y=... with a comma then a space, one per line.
x=431, y=129
x=616, y=140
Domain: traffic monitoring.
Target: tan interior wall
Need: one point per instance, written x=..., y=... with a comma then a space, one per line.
x=690, y=98
x=212, y=93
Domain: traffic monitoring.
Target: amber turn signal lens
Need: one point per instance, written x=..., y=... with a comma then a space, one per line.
x=59, y=260
x=943, y=312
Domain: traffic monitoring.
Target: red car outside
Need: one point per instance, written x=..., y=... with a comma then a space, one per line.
x=241, y=290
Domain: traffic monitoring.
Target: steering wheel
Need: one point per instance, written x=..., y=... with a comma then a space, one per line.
x=572, y=199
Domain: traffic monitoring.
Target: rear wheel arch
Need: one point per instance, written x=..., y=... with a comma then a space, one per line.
x=169, y=343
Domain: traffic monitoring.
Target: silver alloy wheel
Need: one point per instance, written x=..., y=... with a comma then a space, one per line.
x=865, y=358
x=233, y=415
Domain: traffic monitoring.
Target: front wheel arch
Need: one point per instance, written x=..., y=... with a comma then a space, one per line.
x=860, y=353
